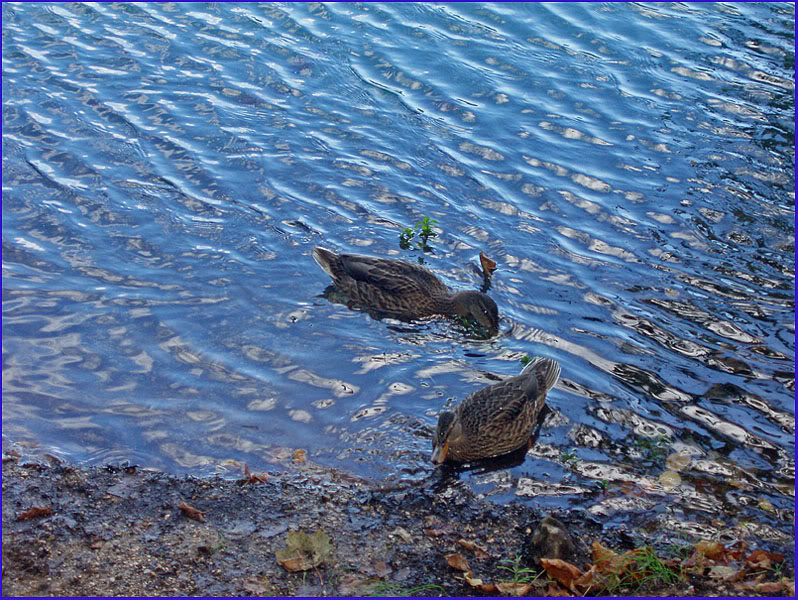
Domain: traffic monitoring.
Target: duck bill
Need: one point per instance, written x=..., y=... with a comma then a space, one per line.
x=439, y=453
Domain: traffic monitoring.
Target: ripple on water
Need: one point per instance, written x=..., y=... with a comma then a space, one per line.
x=167, y=170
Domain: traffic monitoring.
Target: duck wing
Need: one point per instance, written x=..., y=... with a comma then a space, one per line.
x=501, y=406
x=392, y=276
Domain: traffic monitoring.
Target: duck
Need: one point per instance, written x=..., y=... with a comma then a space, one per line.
x=497, y=419
x=402, y=289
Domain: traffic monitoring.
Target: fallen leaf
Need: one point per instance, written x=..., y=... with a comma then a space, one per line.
x=36, y=511
x=479, y=551
x=608, y=561
x=514, y=589
x=382, y=569
x=765, y=504
x=300, y=456
x=564, y=572
x=257, y=586
x=762, y=559
x=722, y=572
x=555, y=591
x=252, y=477
x=487, y=588
x=775, y=587
x=590, y=581
x=670, y=479
x=404, y=534
x=191, y=512
x=678, y=461
x=303, y=551
x=456, y=561
x=712, y=550
x=488, y=265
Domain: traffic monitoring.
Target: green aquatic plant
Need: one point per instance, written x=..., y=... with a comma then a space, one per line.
x=424, y=231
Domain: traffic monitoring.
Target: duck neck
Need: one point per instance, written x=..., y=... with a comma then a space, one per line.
x=455, y=304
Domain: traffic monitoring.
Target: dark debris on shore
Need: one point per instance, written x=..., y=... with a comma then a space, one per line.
x=74, y=531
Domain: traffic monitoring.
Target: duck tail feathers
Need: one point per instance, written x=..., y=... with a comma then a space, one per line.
x=325, y=259
x=548, y=368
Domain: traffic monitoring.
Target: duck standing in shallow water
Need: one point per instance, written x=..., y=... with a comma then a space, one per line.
x=497, y=419
x=402, y=288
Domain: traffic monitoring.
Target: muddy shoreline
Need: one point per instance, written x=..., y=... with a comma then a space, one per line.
x=109, y=531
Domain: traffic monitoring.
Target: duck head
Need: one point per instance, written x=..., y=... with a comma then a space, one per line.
x=447, y=431
x=479, y=306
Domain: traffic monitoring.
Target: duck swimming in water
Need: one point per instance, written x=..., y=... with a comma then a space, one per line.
x=497, y=419
x=402, y=289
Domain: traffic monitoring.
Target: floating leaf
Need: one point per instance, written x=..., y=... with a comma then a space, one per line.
x=456, y=561
x=670, y=479
x=678, y=461
x=303, y=551
x=299, y=457
x=191, y=512
x=765, y=504
x=488, y=265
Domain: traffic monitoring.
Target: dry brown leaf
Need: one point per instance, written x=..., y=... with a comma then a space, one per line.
x=722, y=572
x=762, y=559
x=456, y=561
x=487, y=588
x=608, y=561
x=564, y=572
x=252, y=477
x=488, y=265
x=36, y=511
x=514, y=589
x=770, y=588
x=591, y=581
x=555, y=591
x=191, y=512
x=712, y=550
x=257, y=586
x=382, y=569
x=299, y=457
x=294, y=564
x=479, y=551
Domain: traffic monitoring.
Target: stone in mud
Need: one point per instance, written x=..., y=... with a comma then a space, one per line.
x=550, y=539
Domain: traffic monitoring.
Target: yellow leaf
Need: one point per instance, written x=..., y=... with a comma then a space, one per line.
x=670, y=479
x=678, y=461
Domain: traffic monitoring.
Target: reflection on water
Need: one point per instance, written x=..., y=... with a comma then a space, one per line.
x=168, y=168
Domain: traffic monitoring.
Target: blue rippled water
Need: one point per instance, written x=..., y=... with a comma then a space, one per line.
x=168, y=168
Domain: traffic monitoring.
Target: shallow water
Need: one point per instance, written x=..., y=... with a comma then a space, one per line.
x=168, y=168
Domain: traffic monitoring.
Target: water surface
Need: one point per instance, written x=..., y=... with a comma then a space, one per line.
x=168, y=168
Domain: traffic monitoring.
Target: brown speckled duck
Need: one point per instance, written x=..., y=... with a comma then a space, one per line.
x=403, y=289
x=497, y=419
